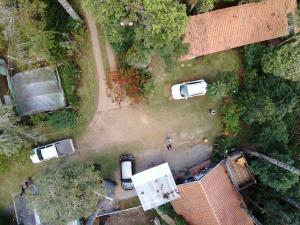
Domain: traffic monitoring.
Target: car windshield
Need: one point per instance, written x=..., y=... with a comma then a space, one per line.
x=39, y=154
x=183, y=90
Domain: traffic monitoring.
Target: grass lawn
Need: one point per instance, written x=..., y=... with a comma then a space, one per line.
x=21, y=168
x=193, y=111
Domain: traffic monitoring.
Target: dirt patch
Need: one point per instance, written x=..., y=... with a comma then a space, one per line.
x=135, y=217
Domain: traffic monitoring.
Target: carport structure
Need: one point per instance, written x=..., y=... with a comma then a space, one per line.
x=37, y=90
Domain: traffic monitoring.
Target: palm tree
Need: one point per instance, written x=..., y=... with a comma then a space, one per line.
x=67, y=6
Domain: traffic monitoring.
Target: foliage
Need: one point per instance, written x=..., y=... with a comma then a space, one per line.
x=168, y=210
x=274, y=176
x=270, y=134
x=129, y=82
x=205, y=5
x=69, y=74
x=231, y=117
x=6, y=162
x=2, y=41
x=253, y=55
x=61, y=120
x=226, y=85
x=66, y=190
x=140, y=25
x=224, y=144
x=13, y=136
x=138, y=57
x=283, y=62
x=295, y=132
x=267, y=98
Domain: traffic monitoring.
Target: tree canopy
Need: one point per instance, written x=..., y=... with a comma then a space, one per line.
x=65, y=191
x=137, y=24
x=283, y=62
x=13, y=136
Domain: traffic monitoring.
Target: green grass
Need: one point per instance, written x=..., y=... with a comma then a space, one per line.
x=109, y=158
x=20, y=168
x=194, y=111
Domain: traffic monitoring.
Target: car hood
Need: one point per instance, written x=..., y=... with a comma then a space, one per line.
x=34, y=158
x=176, y=92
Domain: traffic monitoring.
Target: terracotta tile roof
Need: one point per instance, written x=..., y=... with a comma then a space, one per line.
x=211, y=201
x=237, y=26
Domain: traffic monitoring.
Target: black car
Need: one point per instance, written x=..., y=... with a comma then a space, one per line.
x=127, y=168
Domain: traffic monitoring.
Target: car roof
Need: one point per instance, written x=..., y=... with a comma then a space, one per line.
x=49, y=152
x=196, y=88
x=126, y=167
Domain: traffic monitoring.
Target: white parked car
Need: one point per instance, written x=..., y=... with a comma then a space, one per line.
x=189, y=89
x=53, y=150
x=127, y=169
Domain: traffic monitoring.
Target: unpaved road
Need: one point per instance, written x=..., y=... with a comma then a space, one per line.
x=140, y=127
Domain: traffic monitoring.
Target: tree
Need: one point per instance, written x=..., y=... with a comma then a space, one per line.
x=13, y=136
x=143, y=25
x=283, y=62
x=65, y=191
x=226, y=85
x=274, y=176
x=275, y=132
x=205, y=5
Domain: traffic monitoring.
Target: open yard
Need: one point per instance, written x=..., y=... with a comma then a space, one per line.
x=141, y=128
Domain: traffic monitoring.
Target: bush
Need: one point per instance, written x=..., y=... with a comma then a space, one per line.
x=129, y=82
x=168, y=210
x=205, y=5
x=70, y=76
x=231, y=118
x=226, y=85
x=224, y=144
x=2, y=42
x=62, y=120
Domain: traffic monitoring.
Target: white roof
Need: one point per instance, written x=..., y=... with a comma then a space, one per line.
x=126, y=169
x=196, y=88
x=49, y=152
x=155, y=186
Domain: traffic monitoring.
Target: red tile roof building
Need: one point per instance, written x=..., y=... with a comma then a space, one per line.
x=237, y=26
x=213, y=200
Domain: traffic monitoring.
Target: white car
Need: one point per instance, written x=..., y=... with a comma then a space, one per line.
x=53, y=150
x=189, y=89
x=127, y=169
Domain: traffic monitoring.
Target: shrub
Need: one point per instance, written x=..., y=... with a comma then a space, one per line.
x=2, y=42
x=129, y=82
x=69, y=75
x=205, y=5
x=168, y=210
x=226, y=85
x=62, y=120
x=231, y=117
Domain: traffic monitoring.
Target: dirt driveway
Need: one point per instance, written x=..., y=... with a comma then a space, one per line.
x=142, y=127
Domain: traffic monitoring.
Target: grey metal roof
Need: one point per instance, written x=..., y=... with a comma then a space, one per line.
x=38, y=90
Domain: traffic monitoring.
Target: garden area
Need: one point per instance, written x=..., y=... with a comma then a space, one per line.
x=60, y=41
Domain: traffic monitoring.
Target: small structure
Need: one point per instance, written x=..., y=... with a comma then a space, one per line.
x=155, y=186
x=237, y=26
x=38, y=90
x=214, y=198
x=238, y=170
